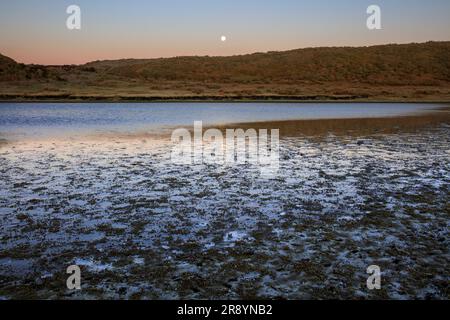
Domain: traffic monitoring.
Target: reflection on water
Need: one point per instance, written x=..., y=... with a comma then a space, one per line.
x=351, y=127
x=44, y=119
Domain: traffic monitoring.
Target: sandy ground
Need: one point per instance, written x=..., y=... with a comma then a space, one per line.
x=142, y=227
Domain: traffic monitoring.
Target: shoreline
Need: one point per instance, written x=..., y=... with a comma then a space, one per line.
x=209, y=99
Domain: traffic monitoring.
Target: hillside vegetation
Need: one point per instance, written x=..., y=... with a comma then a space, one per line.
x=386, y=72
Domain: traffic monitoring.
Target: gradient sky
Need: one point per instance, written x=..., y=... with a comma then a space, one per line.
x=34, y=31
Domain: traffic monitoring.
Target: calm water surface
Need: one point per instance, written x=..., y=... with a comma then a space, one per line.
x=40, y=119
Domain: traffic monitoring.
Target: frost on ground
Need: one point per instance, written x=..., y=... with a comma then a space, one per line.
x=141, y=227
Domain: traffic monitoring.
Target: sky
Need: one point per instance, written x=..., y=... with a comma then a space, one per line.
x=34, y=31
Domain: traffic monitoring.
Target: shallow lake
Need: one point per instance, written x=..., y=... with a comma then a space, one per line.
x=39, y=119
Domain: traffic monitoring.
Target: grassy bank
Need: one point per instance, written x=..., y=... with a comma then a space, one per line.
x=213, y=99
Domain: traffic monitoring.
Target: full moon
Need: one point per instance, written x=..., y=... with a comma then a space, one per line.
x=223, y=38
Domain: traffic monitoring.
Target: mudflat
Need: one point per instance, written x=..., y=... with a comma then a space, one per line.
x=349, y=193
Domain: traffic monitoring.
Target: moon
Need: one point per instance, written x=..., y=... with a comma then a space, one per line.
x=223, y=38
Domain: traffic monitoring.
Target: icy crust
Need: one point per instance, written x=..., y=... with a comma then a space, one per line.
x=142, y=227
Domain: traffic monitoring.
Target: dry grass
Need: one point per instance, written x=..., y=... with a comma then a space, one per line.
x=413, y=72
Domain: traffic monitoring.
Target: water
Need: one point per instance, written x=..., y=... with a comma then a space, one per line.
x=40, y=119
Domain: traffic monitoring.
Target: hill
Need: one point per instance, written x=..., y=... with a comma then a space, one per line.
x=385, y=72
